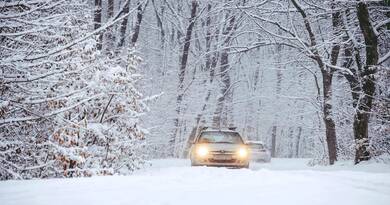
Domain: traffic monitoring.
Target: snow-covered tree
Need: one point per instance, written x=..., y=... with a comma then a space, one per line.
x=66, y=109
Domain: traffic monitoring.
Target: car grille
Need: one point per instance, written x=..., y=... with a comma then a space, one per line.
x=222, y=161
x=222, y=152
x=222, y=156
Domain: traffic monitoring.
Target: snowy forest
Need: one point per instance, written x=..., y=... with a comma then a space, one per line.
x=99, y=87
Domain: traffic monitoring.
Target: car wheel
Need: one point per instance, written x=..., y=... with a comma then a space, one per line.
x=260, y=161
x=193, y=164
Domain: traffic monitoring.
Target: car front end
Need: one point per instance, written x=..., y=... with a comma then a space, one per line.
x=258, y=151
x=260, y=156
x=220, y=155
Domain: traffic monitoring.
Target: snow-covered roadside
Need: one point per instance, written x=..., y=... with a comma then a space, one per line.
x=172, y=181
x=302, y=164
x=284, y=164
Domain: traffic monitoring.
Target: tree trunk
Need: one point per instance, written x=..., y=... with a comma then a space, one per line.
x=250, y=131
x=182, y=71
x=273, y=141
x=360, y=128
x=279, y=77
x=109, y=35
x=209, y=37
x=362, y=116
x=291, y=142
x=159, y=18
x=140, y=12
x=218, y=118
x=210, y=65
x=327, y=75
x=330, y=128
x=387, y=3
x=98, y=22
x=297, y=145
x=327, y=78
x=123, y=27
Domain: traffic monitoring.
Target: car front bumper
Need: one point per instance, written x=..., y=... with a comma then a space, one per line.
x=234, y=162
x=260, y=157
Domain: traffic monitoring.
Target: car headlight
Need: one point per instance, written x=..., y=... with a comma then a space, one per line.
x=202, y=151
x=242, y=152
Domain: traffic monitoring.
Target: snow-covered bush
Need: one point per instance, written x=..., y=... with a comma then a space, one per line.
x=106, y=137
x=65, y=108
x=380, y=123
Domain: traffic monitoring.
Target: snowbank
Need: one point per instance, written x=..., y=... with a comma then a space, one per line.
x=172, y=181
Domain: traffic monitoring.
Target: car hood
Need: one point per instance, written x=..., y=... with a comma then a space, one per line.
x=222, y=146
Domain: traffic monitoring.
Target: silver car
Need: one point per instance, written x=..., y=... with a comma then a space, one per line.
x=259, y=151
x=224, y=148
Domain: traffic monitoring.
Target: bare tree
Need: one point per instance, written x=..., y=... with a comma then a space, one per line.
x=140, y=11
x=362, y=79
x=310, y=45
x=211, y=60
x=221, y=112
x=327, y=77
x=182, y=69
x=98, y=22
x=279, y=77
x=123, y=26
x=109, y=34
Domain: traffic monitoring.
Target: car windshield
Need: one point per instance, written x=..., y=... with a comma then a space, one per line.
x=220, y=137
x=257, y=146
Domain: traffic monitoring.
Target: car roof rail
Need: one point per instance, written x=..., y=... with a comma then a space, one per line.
x=204, y=128
x=232, y=128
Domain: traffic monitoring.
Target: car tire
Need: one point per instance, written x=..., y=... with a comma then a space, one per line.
x=193, y=164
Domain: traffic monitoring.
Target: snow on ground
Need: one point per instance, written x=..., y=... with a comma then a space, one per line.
x=174, y=182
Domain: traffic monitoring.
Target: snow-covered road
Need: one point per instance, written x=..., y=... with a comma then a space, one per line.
x=173, y=181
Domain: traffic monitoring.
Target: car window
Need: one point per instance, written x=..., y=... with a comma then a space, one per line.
x=257, y=146
x=220, y=137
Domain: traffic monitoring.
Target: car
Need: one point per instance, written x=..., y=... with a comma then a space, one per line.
x=219, y=147
x=259, y=151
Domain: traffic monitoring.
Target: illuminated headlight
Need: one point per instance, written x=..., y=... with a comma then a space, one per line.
x=202, y=151
x=242, y=152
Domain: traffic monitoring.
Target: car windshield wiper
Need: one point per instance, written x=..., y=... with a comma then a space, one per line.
x=226, y=142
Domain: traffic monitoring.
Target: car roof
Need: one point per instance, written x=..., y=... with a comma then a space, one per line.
x=255, y=142
x=219, y=130
x=225, y=130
